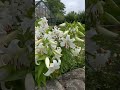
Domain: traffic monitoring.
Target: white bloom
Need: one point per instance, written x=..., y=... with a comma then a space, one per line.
x=36, y=38
x=41, y=30
x=51, y=66
x=47, y=36
x=37, y=34
x=56, y=33
x=67, y=42
x=40, y=49
x=53, y=43
x=76, y=51
x=63, y=24
x=58, y=53
x=46, y=40
x=43, y=24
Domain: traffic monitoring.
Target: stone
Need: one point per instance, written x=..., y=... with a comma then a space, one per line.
x=74, y=84
x=53, y=85
x=74, y=74
x=73, y=80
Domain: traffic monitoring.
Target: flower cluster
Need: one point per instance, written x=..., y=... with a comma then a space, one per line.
x=49, y=44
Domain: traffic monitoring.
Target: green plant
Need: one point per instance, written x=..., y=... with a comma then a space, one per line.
x=16, y=44
x=57, y=50
x=104, y=22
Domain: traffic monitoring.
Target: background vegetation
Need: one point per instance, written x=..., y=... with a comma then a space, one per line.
x=57, y=8
x=107, y=77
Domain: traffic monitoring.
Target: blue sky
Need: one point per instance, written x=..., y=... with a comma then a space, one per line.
x=73, y=5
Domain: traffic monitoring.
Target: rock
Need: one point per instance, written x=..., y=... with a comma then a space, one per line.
x=74, y=85
x=73, y=80
x=29, y=82
x=74, y=74
x=53, y=85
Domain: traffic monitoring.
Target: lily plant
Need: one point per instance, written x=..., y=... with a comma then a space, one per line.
x=49, y=45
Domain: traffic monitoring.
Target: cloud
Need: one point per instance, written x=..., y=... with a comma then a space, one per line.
x=74, y=5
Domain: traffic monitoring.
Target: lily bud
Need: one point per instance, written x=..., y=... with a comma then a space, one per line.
x=78, y=39
x=66, y=32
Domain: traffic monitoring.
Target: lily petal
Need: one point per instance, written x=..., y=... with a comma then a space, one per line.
x=49, y=72
x=47, y=62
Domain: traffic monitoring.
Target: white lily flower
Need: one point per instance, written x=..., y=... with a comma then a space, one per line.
x=63, y=24
x=76, y=51
x=67, y=42
x=43, y=24
x=42, y=28
x=40, y=49
x=36, y=38
x=50, y=43
x=51, y=66
x=53, y=43
x=47, y=36
x=56, y=33
x=37, y=34
x=58, y=53
x=47, y=62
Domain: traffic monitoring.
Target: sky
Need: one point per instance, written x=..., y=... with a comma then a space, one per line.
x=73, y=5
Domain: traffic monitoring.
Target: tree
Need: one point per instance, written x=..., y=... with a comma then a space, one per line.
x=81, y=17
x=73, y=16
x=57, y=9
x=56, y=6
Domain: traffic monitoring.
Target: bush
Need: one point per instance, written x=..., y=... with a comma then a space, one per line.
x=73, y=16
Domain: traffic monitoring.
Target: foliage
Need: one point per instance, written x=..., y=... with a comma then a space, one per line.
x=16, y=43
x=56, y=6
x=105, y=22
x=57, y=50
x=81, y=17
x=60, y=19
x=73, y=16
